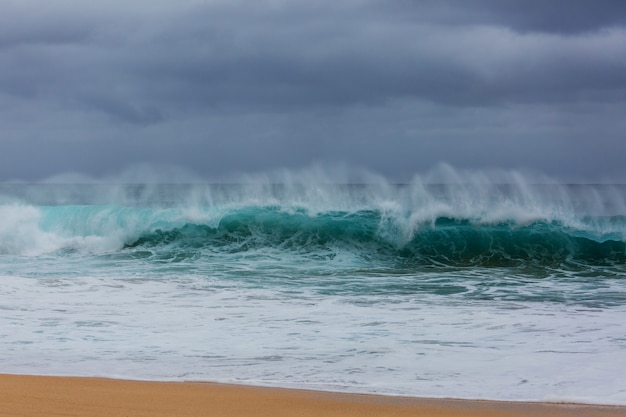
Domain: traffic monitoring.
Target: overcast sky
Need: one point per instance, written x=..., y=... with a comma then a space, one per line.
x=392, y=86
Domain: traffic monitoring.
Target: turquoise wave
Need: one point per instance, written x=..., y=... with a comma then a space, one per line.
x=372, y=235
x=463, y=224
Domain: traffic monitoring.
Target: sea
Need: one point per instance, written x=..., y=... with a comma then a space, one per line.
x=474, y=285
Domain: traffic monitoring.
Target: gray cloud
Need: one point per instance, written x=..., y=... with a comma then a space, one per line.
x=393, y=85
x=558, y=16
x=301, y=59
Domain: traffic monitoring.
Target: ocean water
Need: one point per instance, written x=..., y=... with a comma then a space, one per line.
x=464, y=286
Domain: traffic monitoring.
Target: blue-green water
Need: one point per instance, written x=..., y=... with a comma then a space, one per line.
x=419, y=289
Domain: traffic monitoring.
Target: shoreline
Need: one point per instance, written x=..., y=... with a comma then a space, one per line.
x=31, y=395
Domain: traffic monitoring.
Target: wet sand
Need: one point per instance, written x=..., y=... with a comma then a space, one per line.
x=22, y=395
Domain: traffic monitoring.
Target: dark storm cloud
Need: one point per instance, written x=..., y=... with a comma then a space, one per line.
x=254, y=55
x=355, y=57
x=557, y=16
x=23, y=24
x=368, y=81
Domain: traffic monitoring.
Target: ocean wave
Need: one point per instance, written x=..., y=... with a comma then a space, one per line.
x=369, y=234
x=449, y=241
x=466, y=222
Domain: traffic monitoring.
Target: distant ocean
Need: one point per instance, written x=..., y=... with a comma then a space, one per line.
x=471, y=289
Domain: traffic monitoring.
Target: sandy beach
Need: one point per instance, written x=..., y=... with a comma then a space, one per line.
x=22, y=396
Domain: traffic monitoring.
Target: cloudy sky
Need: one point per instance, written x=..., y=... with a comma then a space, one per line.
x=392, y=86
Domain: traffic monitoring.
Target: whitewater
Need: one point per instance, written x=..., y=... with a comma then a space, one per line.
x=465, y=284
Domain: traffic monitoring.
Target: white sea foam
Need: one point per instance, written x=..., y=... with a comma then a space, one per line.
x=190, y=328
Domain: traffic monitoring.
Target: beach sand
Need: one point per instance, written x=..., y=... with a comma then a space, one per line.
x=22, y=395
